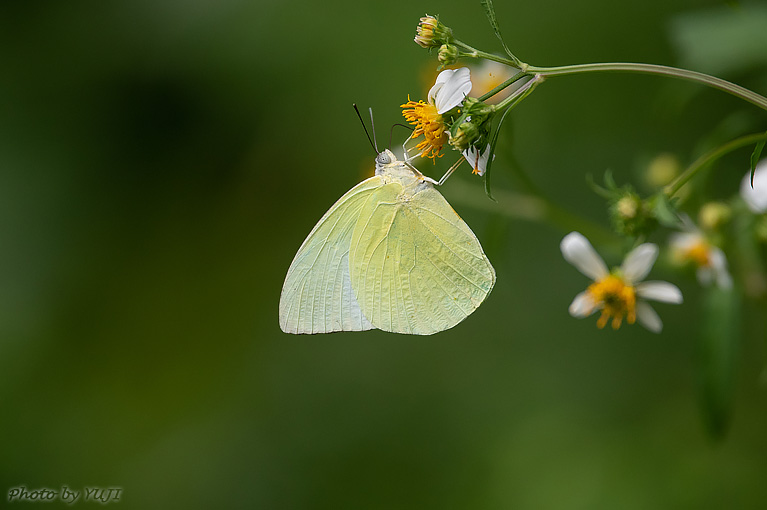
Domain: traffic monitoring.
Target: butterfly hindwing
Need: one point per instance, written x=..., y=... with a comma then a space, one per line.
x=415, y=266
x=317, y=296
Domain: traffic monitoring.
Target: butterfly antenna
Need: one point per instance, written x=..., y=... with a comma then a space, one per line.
x=391, y=131
x=375, y=148
x=373, y=128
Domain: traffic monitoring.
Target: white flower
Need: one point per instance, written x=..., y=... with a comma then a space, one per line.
x=619, y=292
x=756, y=197
x=478, y=161
x=450, y=89
x=693, y=247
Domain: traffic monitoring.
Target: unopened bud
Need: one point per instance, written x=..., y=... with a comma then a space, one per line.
x=448, y=54
x=713, y=215
x=431, y=33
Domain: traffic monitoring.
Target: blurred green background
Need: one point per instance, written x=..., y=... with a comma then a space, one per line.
x=162, y=161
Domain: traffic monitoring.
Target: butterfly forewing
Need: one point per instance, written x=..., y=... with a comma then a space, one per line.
x=415, y=266
x=317, y=296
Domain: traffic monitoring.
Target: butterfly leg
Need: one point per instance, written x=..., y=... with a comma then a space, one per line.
x=405, y=150
x=451, y=170
x=419, y=174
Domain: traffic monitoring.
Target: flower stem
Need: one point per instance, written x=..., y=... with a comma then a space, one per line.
x=520, y=94
x=710, y=156
x=711, y=81
x=475, y=53
x=502, y=86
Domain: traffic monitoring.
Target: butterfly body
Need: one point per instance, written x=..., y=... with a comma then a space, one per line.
x=389, y=254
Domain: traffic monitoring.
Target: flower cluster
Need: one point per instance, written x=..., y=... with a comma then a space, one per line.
x=450, y=118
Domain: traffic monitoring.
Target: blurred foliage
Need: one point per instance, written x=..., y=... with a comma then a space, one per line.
x=161, y=162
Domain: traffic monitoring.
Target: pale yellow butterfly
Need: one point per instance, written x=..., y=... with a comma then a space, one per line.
x=390, y=254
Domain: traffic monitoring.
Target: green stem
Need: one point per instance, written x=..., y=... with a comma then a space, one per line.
x=475, y=53
x=519, y=94
x=711, y=81
x=710, y=156
x=502, y=86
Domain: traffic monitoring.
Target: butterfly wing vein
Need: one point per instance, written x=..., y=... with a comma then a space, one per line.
x=415, y=266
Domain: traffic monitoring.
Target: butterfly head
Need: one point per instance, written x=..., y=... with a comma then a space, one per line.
x=385, y=158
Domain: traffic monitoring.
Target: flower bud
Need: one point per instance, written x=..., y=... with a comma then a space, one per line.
x=662, y=170
x=630, y=215
x=448, y=54
x=713, y=215
x=432, y=34
x=464, y=136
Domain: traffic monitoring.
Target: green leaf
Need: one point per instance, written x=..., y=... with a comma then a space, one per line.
x=610, y=181
x=490, y=12
x=755, y=159
x=717, y=357
x=665, y=211
x=493, y=143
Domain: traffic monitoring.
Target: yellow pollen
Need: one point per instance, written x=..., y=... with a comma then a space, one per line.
x=616, y=298
x=699, y=253
x=428, y=123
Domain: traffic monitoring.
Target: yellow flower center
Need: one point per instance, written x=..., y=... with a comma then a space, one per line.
x=699, y=253
x=428, y=123
x=616, y=298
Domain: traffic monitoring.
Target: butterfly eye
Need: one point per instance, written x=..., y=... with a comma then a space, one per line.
x=383, y=159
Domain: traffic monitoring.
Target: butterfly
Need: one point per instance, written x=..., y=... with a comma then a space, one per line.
x=390, y=254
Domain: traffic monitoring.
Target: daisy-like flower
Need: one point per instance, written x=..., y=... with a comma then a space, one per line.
x=477, y=160
x=692, y=247
x=619, y=292
x=756, y=197
x=449, y=91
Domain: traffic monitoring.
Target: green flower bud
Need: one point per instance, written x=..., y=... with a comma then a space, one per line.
x=630, y=215
x=662, y=170
x=713, y=215
x=432, y=34
x=464, y=135
x=448, y=54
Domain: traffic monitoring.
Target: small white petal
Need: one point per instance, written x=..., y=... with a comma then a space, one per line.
x=450, y=89
x=578, y=251
x=719, y=268
x=639, y=262
x=705, y=275
x=756, y=197
x=582, y=305
x=660, y=291
x=683, y=241
x=648, y=318
x=479, y=164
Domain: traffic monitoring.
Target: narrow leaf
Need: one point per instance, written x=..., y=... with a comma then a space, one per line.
x=491, y=155
x=717, y=361
x=490, y=12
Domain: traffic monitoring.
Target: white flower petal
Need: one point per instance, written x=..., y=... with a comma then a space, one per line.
x=583, y=305
x=648, y=318
x=705, y=275
x=719, y=268
x=577, y=250
x=450, y=89
x=479, y=164
x=756, y=197
x=660, y=291
x=639, y=262
x=683, y=241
